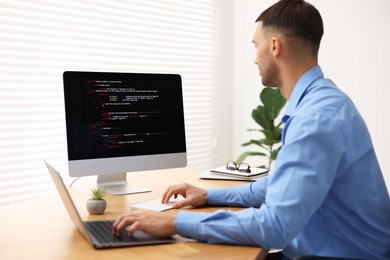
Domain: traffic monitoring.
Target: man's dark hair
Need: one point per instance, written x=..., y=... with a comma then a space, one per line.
x=295, y=18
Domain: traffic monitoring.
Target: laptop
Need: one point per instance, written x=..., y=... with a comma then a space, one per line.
x=99, y=233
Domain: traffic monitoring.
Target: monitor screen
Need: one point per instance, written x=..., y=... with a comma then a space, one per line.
x=123, y=122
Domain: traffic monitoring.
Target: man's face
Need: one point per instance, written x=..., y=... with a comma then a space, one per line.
x=268, y=69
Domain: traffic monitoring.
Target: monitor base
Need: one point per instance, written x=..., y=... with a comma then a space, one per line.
x=116, y=184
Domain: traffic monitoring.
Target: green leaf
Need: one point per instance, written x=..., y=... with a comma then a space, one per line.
x=254, y=130
x=275, y=153
x=269, y=134
x=273, y=101
x=273, y=135
x=261, y=117
x=243, y=156
x=278, y=134
x=254, y=142
x=97, y=193
x=267, y=142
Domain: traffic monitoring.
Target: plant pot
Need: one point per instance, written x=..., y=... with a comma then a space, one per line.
x=96, y=207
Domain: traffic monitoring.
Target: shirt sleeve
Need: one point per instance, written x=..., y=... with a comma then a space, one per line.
x=305, y=169
x=248, y=195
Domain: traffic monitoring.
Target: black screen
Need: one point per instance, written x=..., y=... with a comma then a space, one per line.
x=123, y=114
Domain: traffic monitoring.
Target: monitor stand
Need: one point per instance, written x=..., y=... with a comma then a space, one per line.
x=116, y=184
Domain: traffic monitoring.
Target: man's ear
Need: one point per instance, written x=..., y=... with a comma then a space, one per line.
x=276, y=46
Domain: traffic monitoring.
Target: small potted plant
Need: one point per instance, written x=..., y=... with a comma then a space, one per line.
x=97, y=204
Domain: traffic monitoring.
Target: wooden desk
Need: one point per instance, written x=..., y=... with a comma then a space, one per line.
x=42, y=229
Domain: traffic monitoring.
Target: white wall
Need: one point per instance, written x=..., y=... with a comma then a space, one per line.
x=354, y=53
x=225, y=45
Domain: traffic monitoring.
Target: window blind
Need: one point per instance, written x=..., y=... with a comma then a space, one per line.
x=40, y=39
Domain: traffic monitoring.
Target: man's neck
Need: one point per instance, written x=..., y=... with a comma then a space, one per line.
x=291, y=76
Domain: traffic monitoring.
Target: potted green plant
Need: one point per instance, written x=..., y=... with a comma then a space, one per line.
x=265, y=115
x=96, y=203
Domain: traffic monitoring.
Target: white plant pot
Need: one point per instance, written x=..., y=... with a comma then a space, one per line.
x=96, y=207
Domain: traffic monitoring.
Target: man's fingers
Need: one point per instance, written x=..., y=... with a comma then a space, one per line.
x=121, y=223
x=134, y=228
x=181, y=204
x=172, y=191
x=166, y=196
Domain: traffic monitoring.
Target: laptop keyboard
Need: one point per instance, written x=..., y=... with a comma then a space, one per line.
x=102, y=231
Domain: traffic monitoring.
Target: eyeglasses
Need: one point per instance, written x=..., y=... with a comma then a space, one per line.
x=242, y=167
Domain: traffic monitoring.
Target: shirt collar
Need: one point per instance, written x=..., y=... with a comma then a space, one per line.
x=303, y=83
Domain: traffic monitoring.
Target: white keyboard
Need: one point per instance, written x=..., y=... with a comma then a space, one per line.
x=156, y=204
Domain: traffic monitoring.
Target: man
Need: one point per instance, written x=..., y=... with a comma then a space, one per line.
x=327, y=195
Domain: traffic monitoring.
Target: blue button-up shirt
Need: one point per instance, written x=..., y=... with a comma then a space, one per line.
x=327, y=195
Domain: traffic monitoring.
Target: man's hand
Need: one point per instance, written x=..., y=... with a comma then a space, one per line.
x=154, y=223
x=194, y=196
x=161, y=223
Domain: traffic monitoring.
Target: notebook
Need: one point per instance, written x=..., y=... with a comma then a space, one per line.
x=221, y=173
x=99, y=233
x=254, y=172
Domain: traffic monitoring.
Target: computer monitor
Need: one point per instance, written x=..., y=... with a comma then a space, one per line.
x=123, y=122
